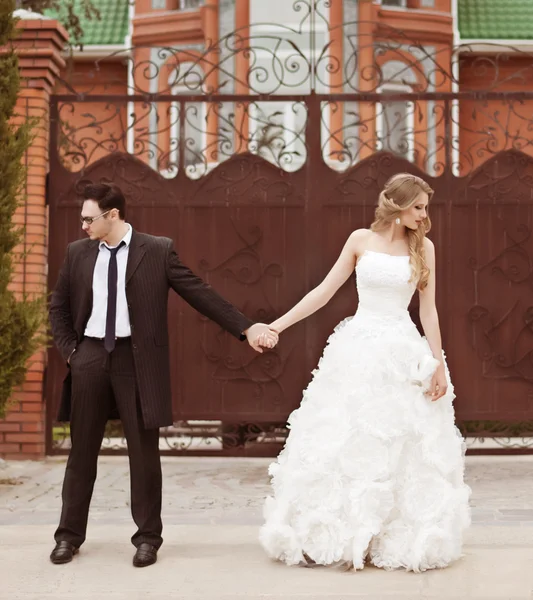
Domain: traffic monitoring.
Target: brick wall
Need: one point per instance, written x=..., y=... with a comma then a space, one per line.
x=40, y=44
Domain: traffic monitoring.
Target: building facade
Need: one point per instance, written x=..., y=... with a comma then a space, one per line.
x=257, y=135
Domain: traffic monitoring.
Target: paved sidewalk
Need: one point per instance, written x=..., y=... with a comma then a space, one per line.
x=212, y=511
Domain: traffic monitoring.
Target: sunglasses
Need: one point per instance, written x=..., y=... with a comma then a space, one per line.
x=90, y=220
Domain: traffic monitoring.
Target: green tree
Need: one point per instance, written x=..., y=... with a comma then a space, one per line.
x=22, y=317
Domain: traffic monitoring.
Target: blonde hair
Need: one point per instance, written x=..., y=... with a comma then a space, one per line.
x=399, y=194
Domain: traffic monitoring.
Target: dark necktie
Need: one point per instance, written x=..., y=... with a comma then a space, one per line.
x=111, y=317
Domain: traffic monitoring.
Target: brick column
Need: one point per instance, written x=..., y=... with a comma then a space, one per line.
x=39, y=45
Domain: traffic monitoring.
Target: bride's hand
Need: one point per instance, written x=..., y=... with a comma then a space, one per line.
x=439, y=385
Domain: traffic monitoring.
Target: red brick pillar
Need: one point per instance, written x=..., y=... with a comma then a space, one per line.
x=40, y=47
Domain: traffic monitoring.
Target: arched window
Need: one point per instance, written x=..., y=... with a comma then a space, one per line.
x=395, y=122
x=195, y=122
x=395, y=118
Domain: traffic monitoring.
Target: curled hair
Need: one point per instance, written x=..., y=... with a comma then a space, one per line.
x=399, y=194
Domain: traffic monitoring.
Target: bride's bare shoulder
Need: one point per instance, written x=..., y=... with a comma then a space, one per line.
x=361, y=234
x=429, y=249
x=359, y=240
x=429, y=245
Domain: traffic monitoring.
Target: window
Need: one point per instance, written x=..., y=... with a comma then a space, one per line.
x=195, y=127
x=188, y=4
x=400, y=3
x=181, y=4
x=395, y=123
x=195, y=119
x=286, y=59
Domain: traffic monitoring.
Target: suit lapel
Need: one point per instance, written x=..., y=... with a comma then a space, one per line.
x=135, y=255
x=89, y=262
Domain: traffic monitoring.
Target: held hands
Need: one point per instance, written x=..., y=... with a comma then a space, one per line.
x=261, y=336
x=439, y=385
x=263, y=339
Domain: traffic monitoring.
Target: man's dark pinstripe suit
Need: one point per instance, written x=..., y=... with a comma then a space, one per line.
x=135, y=378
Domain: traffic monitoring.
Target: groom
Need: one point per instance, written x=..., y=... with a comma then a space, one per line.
x=109, y=321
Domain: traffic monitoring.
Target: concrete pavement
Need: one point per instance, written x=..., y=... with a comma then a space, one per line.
x=212, y=511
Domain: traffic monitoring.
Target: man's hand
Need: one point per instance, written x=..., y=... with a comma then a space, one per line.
x=260, y=336
x=70, y=356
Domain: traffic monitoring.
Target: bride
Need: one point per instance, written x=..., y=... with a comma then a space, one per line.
x=372, y=469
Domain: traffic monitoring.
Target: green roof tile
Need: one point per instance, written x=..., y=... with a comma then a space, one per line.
x=496, y=19
x=111, y=28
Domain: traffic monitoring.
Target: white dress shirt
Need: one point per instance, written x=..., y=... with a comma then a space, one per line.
x=96, y=324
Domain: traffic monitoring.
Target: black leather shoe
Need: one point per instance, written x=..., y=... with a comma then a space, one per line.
x=145, y=556
x=63, y=553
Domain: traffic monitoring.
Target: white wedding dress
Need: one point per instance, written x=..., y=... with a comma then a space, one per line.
x=372, y=469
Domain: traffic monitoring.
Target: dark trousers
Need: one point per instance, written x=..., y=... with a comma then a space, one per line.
x=100, y=379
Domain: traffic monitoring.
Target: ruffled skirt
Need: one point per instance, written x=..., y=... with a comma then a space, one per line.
x=372, y=469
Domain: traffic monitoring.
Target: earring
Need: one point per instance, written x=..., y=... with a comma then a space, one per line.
x=398, y=221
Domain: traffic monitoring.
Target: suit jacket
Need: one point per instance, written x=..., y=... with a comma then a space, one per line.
x=153, y=268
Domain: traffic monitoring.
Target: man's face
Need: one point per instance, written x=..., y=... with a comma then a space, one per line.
x=101, y=225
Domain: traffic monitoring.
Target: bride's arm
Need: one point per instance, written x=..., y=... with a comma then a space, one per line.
x=430, y=322
x=322, y=294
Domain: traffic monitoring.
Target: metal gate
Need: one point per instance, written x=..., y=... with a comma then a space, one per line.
x=260, y=188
